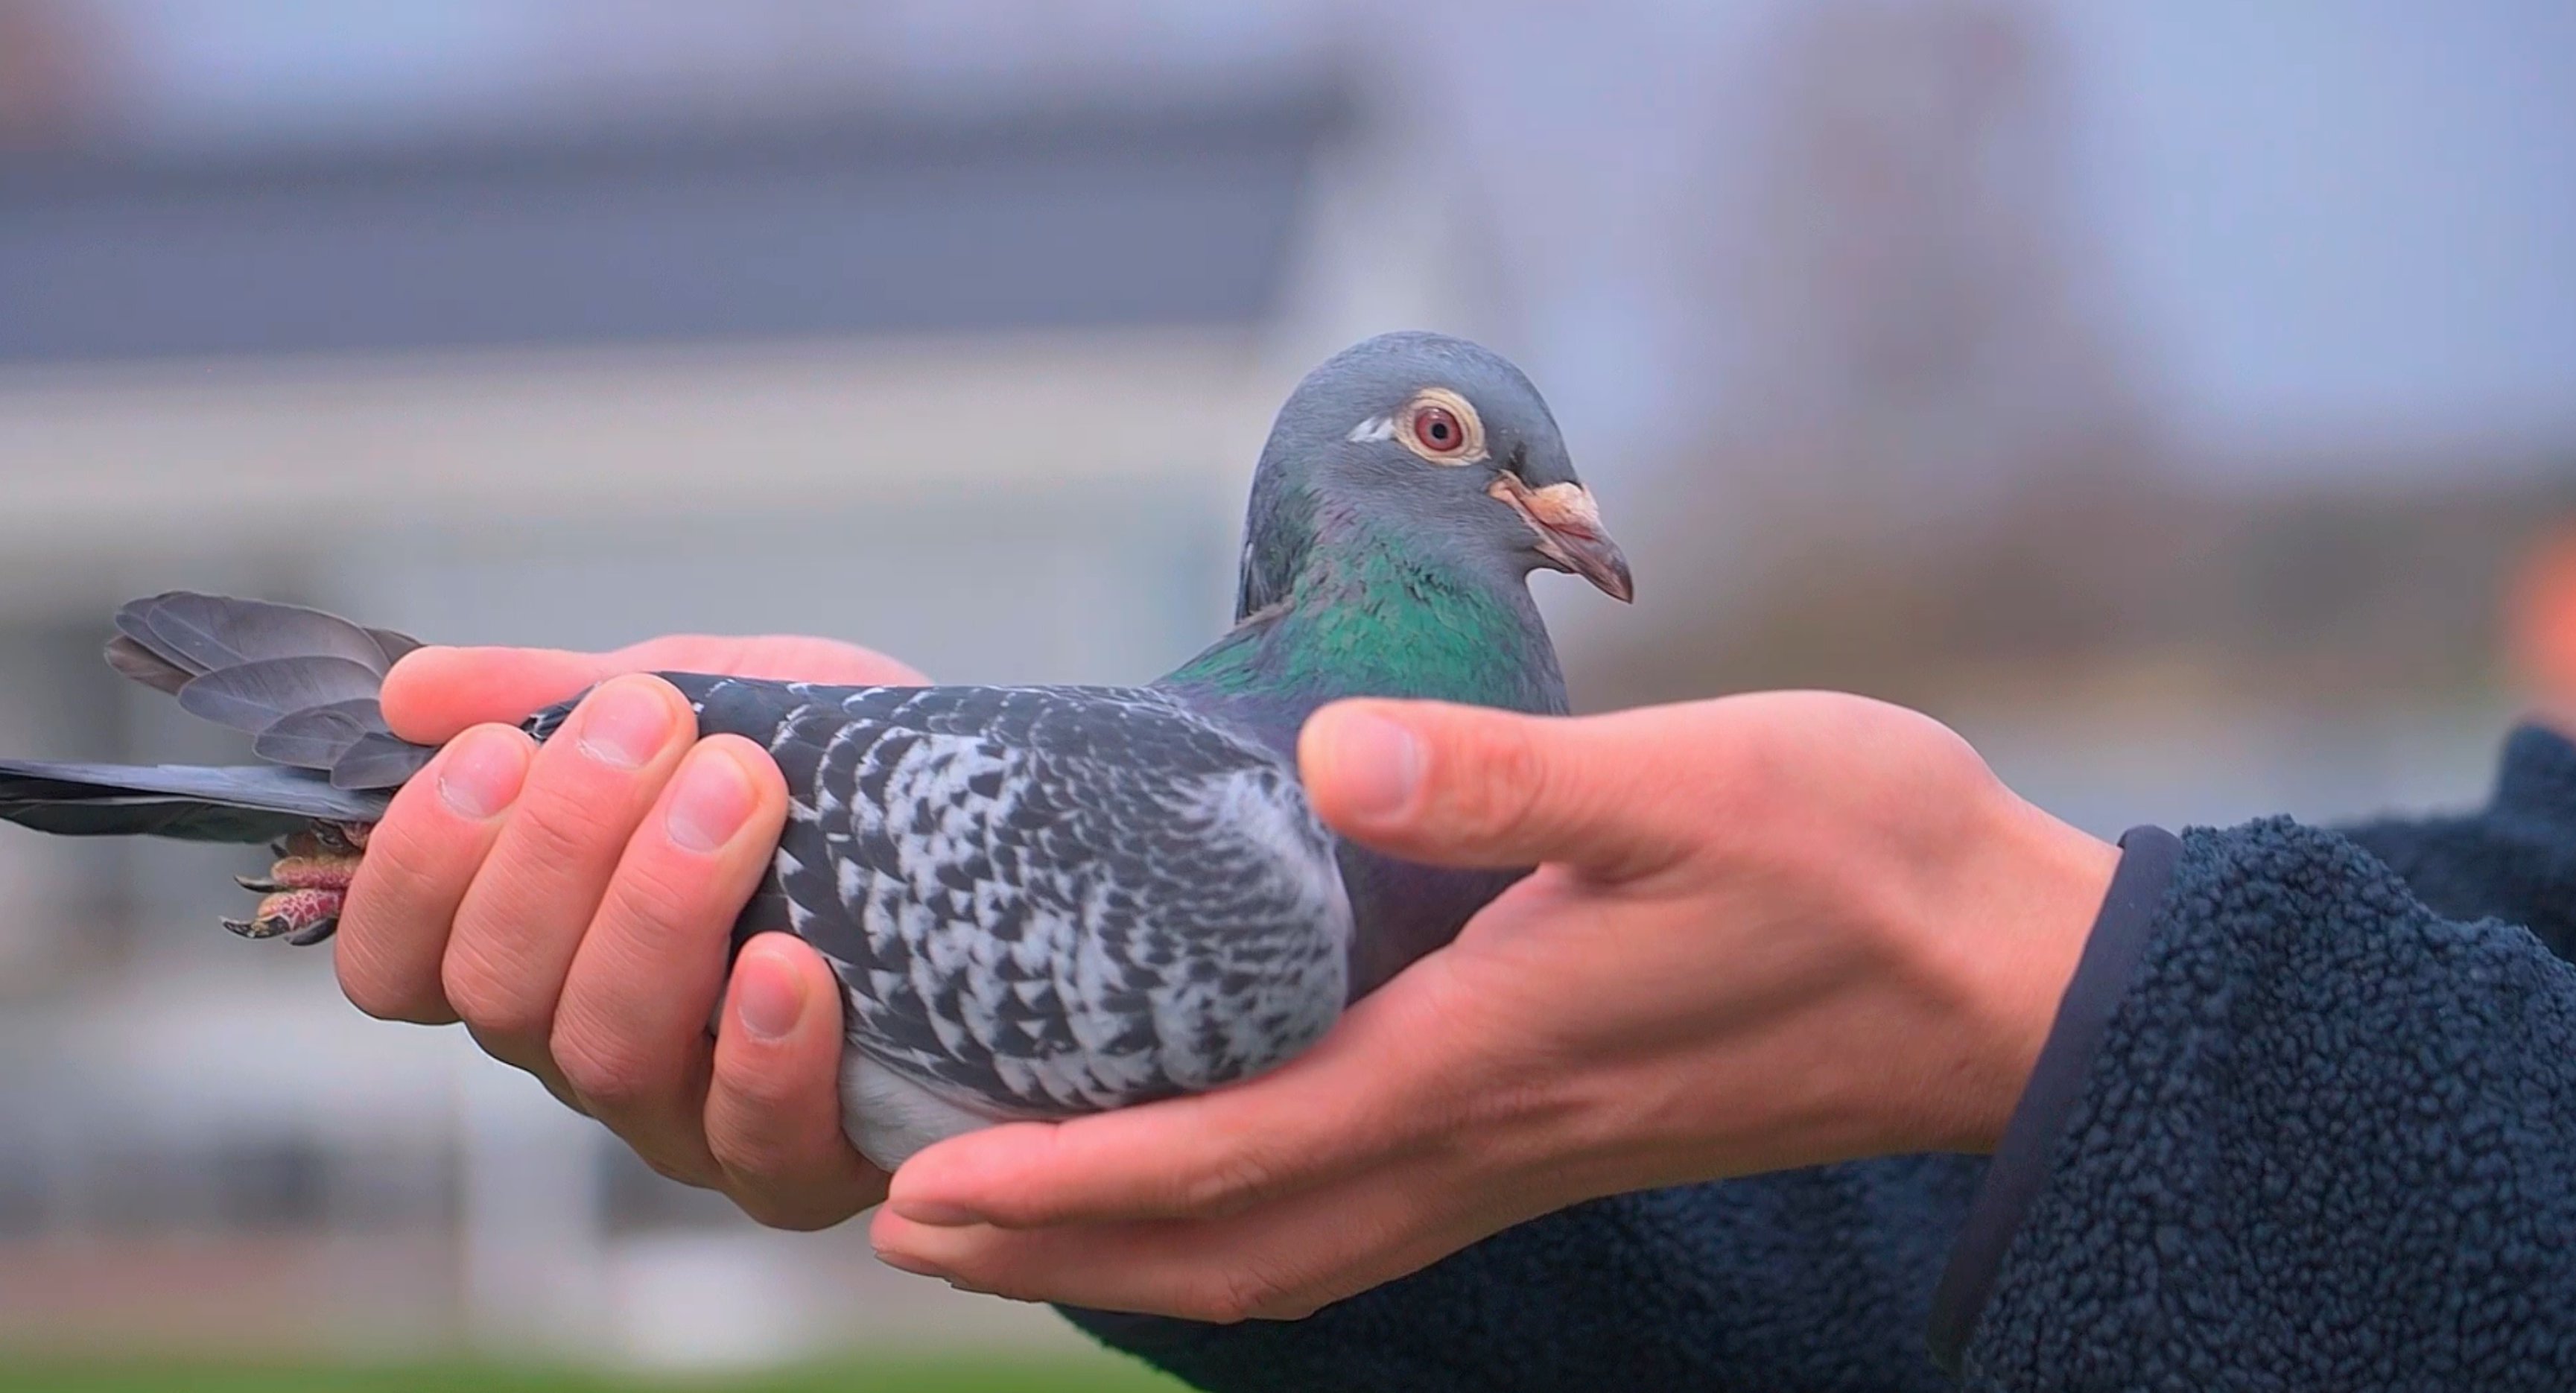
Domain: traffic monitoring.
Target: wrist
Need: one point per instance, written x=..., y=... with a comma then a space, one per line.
x=2020, y=900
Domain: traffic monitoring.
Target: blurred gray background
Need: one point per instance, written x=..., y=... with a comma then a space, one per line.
x=2180, y=399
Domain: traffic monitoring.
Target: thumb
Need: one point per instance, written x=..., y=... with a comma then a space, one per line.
x=1467, y=786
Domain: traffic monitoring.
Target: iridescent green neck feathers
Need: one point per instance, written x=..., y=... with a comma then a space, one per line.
x=1350, y=609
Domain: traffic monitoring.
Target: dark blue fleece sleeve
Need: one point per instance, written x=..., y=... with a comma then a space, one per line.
x=2328, y=1141
x=2321, y=1138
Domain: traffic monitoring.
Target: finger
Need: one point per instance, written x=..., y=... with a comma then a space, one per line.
x=780, y=657
x=1394, y=1073
x=523, y=917
x=1466, y=786
x=1283, y=1261
x=774, y=1111
x=420, y=859
x=435, y=692
x=630, y=1032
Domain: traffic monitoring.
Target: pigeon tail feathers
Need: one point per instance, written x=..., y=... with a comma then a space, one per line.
x=300, y=682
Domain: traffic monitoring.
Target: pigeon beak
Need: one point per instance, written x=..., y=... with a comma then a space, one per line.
x=1568, y=524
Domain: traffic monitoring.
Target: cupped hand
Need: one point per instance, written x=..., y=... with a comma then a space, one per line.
x=1767, y=931
x=573, y=904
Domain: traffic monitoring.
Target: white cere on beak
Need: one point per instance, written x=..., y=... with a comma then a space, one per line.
x=1566, y=508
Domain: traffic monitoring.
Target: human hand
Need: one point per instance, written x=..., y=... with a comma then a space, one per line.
x=573, y=905
x=1768, y=931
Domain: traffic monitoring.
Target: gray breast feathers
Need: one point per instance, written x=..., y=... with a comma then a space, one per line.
x=1046, y=901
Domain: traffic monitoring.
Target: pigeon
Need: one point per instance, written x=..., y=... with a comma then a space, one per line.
x=1040, y=901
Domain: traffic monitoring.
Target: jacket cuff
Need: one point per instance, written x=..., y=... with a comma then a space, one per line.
x=2020, y=1165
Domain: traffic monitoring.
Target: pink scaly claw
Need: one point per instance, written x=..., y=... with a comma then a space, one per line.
x=304, y=891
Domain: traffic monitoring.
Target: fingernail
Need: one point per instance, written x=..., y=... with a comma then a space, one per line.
x=624, y=724
x=482, y=773
x=920, y=1267
x=1377, y=762
x=712, y=802
x=768, y=996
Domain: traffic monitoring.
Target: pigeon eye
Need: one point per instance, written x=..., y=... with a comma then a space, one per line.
x=1441, y=427
x=1438, y=429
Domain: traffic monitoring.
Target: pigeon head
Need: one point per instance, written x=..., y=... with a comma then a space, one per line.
x=1433, y=439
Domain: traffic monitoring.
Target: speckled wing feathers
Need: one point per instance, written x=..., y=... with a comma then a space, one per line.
x=1049, y=900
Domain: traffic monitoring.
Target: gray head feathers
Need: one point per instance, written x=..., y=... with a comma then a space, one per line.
x=1420, y=434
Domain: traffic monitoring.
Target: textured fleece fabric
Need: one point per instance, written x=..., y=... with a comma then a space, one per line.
x=2327, y=1140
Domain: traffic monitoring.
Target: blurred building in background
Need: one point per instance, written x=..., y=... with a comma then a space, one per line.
x=2180, y=402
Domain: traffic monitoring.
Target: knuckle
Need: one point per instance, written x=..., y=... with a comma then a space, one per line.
x=782, y=1184
x=1236, y=1180
x=1238, y=1292
x=756, y=1091
x=366, y=979
x=695, y=1176
x=766, y=1209
x=756, y=1160
x=748, y=1135
x=374, y=998
x=608, y=1076
x=486, y=1000
x=563, y=828
x=651, y=891
x=751, y=1099
x=1504, y=782
x=558, y=1090
x=377, y=994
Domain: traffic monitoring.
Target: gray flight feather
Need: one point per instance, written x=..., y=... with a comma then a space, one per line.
x=393, y=645
x=318, y=736
x=206, y=632
x=135, y=661
x=379, y=759
x=253, y=803
x=253, y=696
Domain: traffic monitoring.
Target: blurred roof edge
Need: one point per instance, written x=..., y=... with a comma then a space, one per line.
x=1148, y=210
x=1298, y=107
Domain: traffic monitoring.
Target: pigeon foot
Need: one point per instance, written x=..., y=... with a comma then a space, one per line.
x=302, y=894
